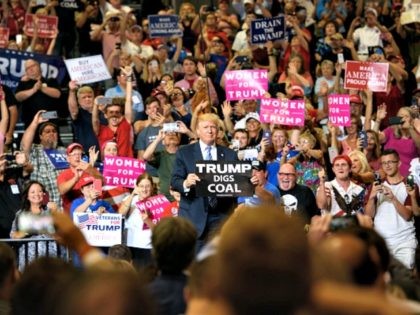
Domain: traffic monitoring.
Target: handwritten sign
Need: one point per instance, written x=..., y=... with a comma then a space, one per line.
x=224, y=179
x=366, y=75
x=263, y=30
x=47, y=25
x=245, y=84
x=4, y=37
x=100, y=230
x=339, y=110
x=157, y=206
x=122, y=171
x=87, y=69
x=164, y=26
x=282, y=112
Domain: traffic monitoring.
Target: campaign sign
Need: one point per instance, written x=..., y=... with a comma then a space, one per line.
x=164, y=26
x=245, y=84
x=282, y=112
x=155, y=206
x=339, y=110
x=12, y=66
x=361, y=75
x=224, y=178
x=58, y=158
x=87, y=69
x=4, y=37
x=122, y=171
x=47, y=25
x=263, y=30
x=100, y=230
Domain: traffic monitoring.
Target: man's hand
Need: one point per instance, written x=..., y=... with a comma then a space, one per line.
x=191, y=180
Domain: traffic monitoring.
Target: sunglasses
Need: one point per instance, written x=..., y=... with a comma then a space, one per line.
x=114, y=19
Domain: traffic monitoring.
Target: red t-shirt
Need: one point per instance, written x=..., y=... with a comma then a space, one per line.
x=123, y=136
x=74, y=193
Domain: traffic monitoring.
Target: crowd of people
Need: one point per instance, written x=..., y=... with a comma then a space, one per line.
x=166, y=105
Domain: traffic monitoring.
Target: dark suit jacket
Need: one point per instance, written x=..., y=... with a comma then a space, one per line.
x=192, y=207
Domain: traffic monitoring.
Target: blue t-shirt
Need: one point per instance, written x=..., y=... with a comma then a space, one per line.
x=93, y=207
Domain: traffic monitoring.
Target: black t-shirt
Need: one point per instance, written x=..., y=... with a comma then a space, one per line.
x=37, y=101
x=86, y=45
x=83, y=130
x=65, y=12
x=10, y=202
x=301, y=200
x=333, y=56
x=9, y=96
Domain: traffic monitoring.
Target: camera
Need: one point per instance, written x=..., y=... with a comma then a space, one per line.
x=35, y=223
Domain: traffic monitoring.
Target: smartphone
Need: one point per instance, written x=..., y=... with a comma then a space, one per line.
x=19, y=39
x=97, y=185
x=377, y=50
x=171, y=127
x=267, y=135
x=377, y=180
x=395, y=121
x=104, y=100
x=410, y=180
x=341, y=223
x=340, y=58
x=241, y=59
x=35, y=223
x=235, y=144
x=49, y=115
x=45, y=199
x=363, y=138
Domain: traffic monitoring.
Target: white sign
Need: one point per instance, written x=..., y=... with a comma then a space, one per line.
x=100, y=230
x=87, y=69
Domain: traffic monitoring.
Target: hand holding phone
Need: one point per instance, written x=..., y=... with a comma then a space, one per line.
x=49, y=115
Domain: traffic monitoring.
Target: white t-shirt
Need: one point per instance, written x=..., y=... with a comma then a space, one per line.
x=139, y=235
x=353, y=190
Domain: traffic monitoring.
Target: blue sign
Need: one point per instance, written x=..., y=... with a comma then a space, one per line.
x=264, y=30
x=12, y=66
x=58, y=158
x=164, y=26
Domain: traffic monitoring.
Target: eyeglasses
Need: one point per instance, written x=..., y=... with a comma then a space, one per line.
x=176, y=94
x=49, y=131
x=75, y=154
x=114, y=112
x=387, y=163
x=287, y=174
x=114, y=19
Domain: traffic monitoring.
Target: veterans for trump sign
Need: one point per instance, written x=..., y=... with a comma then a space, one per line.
x=282, y=112
x=122, y=171
x=164, y=26
x=100, y=230
x=87, y=69
x=263, y=30
x=339, y=110
x=47, y=25
x=366, y=75
x=245, y=84
x=224, y=178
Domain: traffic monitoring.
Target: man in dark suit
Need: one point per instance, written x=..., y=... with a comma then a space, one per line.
x=205, y=213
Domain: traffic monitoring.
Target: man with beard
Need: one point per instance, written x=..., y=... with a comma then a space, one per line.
x=119, y=121
x=297, y=199
x=44, y=170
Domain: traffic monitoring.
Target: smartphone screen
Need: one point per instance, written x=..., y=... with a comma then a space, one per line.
x=97, y=185
x=49, y=115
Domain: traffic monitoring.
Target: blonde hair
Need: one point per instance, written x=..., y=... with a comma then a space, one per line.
x=362, y=159
x=209, y=117
x=84, y=89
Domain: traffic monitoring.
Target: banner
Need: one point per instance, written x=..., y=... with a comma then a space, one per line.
x=87, y=69
x=155, y=206
x=245, y=84
x=12, y=66
x=100, y=230
x=4, y=37
x=224, y=178
x=282, y=112
x=339, y=110
x=164, y=26
x=271, y=29
x=58, y=158
x=361, y=75
x=122, y=171
x=47, y=25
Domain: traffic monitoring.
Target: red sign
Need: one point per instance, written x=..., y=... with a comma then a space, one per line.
x=4, y=37
x=47, y=25
x=361, y=75
x=157, y=206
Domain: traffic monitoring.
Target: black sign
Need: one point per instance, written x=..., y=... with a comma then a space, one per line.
x=224, y=179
